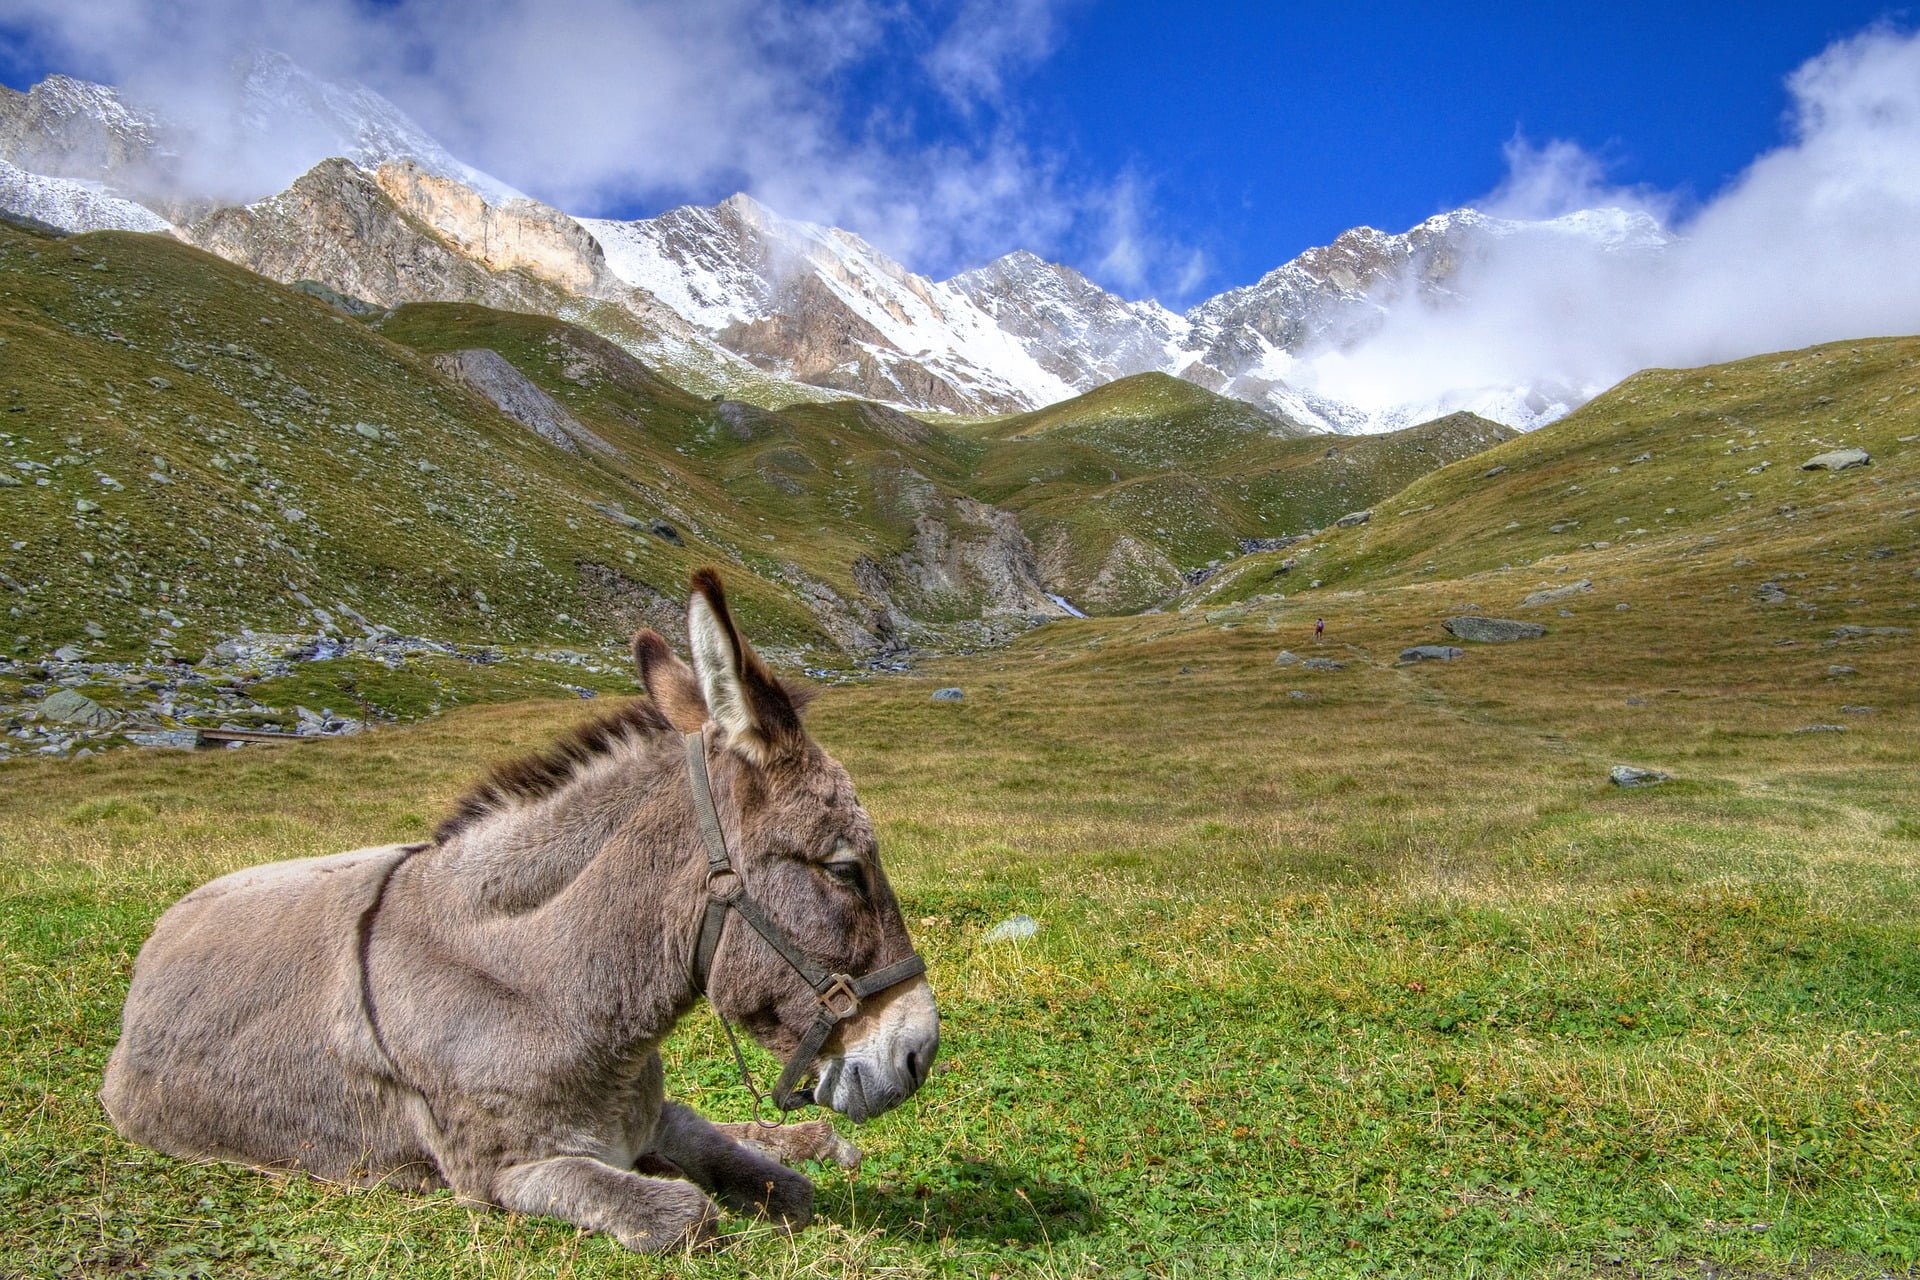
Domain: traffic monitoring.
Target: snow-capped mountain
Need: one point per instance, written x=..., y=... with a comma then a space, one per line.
x=1072, y=327
x=823, y=306
x=272, y=122
x=734, y=298
x=1260, y=342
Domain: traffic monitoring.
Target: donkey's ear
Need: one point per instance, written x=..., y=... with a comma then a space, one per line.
x=743, y=697
x=669, y=682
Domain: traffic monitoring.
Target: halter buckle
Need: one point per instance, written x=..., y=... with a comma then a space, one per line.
x=714, y=875
x=840, y=988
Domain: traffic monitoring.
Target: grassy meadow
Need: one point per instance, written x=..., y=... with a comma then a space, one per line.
x=1380, y=979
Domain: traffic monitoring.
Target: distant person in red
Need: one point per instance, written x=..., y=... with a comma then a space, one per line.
x=1319, y=629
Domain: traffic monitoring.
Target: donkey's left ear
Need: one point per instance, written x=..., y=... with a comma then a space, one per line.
x=669, y=682
x=743, y=697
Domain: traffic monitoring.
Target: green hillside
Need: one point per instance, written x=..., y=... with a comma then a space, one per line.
x=1692, y=471
x=1130, y=485
x=189, y=452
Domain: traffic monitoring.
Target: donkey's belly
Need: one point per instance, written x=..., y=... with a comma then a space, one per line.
x=244, y=1037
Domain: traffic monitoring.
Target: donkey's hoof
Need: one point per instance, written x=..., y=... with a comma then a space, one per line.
x=789, y=1200
x=682, y=1217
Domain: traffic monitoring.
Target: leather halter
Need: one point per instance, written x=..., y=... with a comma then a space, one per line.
x=840, y=996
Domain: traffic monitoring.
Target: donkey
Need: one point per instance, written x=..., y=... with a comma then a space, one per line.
x=483, y=1012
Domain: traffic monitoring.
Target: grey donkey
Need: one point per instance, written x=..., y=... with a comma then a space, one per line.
x=484, y=1012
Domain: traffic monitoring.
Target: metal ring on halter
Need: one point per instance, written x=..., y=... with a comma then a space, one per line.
x=714, y=874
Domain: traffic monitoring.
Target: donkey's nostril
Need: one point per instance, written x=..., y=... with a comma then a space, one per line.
x=919, y=1062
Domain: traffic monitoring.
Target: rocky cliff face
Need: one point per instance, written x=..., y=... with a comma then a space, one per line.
x=519, y=235
x=67, y=128
x=338, y=226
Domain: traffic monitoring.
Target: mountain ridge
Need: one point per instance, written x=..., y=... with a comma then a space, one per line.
x=741, y=300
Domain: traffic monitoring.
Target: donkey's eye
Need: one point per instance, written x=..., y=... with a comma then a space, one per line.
x=850, y=873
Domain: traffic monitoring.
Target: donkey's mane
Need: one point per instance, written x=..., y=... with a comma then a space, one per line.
x=541, y=773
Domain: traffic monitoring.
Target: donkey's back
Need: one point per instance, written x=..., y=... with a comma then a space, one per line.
x=245, y=1035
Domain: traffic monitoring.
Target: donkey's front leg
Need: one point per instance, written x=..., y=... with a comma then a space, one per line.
x=648, y=1215
x=740, y=1177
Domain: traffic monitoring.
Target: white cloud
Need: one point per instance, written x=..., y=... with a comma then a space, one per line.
x=987, y=41
x=1132, y=253
x=602, y=106
x=1561, y=177
x=1817, y=240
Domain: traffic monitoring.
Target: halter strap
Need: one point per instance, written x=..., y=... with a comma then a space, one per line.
x=840, y=995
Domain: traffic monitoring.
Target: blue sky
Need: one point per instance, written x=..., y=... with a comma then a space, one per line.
x=1165, y=150
x=1266, y=128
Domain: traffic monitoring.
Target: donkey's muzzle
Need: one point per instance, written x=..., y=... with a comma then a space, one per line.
x=886, y=1065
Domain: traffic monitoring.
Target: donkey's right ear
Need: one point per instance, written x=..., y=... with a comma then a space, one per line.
x=669, y=682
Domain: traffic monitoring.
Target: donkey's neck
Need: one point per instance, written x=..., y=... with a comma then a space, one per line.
x=589, y=897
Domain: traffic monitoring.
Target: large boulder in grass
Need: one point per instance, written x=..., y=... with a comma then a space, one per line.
x=1837, y=460
x=1492, y=630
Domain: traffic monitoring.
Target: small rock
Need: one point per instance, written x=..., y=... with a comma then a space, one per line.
x=1835, y=670
x=368, y=430
x=1321, y=664
x=69, y=653
x=665, y=532
x=85, y=506
x=1553, y=595
x=95, y=631
x=1770, y=593
x=1837, y=460
x=1431, y=653
x=1491, y=472
x=1851, y=632
x=1285, y=658
x=1855, y=710
x=1014, y=928
x=1301, y=694
x=1626, y=775
x=1821, y=728
x=1492, y=630
x=949, y=694
x=1353, y=518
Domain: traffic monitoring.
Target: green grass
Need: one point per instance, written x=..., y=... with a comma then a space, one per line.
x=1383, y=979
x=1379, y=979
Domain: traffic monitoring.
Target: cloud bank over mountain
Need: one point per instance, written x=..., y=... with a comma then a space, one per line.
x=605, y=107
x=1816, y=240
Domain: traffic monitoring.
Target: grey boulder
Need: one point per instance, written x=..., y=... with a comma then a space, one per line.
x=1492, y=630
x=1431, y=653
x=1837, y=460
x=1626, y=775
x=69, y=706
